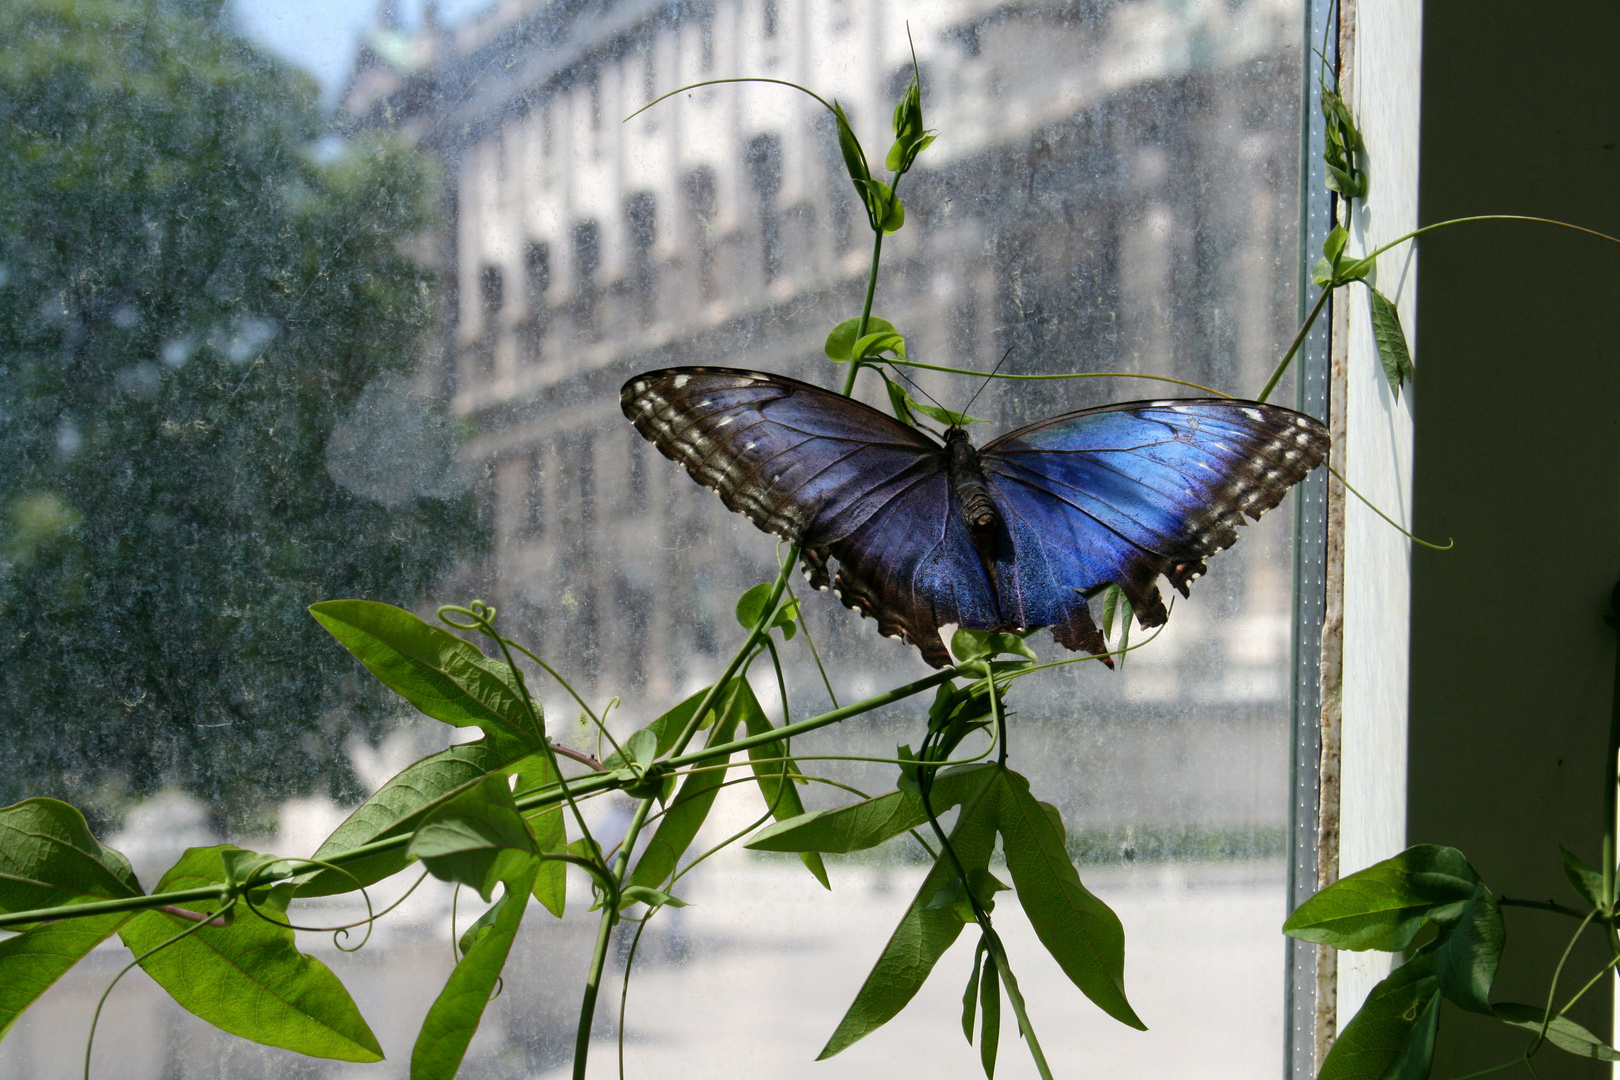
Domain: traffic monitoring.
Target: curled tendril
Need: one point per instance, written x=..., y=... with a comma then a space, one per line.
x=338, y=932
x=481, y=614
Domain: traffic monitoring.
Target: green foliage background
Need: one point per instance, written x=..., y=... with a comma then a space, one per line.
x=191, y=297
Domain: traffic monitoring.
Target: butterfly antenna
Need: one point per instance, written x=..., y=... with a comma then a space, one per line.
x=987, y=379
x=914, y=385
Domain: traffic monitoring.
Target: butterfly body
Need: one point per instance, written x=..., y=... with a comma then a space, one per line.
x=1007, y=536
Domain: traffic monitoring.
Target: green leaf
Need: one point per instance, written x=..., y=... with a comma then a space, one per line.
x=868, y=823
x=549, y=832
x=775, y=777
x=1356, y=270
x=908, y=119
x=978, y=644
x=30, y=962
x=477, y=839
x=1110, y=601
x=48, y=858
x=751, y=608
x=442, y=675
x=883, y=209
x=895, y=217
x=922, y=936
x=680, y=824
x=1333, y=245
x=1391, y=342
x=1080, y=931
x=642, y=747
x=1563, y=1032
x=1351, y=183
x=899, y=401
x=1391, y=1037
x=456, y=1013
x=248, y=978
x=240, y=866
x=990, y=1010
x=484, y=924
x=401, y=804
x=1467, y=956
x=945, y=416
x=970, y=999
x=1384, y=906
x=910, y=780
x=953, y=897
x=840, y=347
x=1587, y=882
x=668, y=727
x=878, y=342
x=1123, y=604
x=850, y=147
x=896, y=156
x=641, y=894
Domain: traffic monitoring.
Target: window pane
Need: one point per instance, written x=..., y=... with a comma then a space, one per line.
x=268, y=342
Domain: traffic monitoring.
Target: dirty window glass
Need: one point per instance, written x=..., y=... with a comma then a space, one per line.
x=306, y=301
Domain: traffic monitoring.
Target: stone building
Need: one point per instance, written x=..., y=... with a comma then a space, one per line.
x=1114, y=188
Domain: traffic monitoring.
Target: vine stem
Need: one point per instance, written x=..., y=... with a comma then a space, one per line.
x=992, y=940
x=539, y=799
x=855, y=364
x=1541, y=905
x=1299, y=339
x=1310, y=319
x=604, y=934
x=1611, y=778
x=982, y=918
x=760, y=631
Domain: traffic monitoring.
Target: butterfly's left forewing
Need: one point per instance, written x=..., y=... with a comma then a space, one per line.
x=837, y=477
x=794, y=459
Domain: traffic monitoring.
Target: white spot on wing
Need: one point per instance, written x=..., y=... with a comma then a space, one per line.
x=682, y=380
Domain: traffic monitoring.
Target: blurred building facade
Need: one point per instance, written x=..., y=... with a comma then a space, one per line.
x=1114, y=188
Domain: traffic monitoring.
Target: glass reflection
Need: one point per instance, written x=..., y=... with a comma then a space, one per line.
x=1113, y=189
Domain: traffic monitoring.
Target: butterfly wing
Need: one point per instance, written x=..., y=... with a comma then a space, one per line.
x=833, y=475
x=1125, y=493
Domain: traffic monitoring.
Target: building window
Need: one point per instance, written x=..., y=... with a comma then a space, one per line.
x=640, y=210
x=490, y=297
x=536, y=275
x=534, y=519
x=764, y=159
x=490, y=301
x=587, y=291
x=770, y=17
x=701, y=206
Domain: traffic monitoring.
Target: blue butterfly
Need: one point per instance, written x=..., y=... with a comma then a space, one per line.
x=1007, y=536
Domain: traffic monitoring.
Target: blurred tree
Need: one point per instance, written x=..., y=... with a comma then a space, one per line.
x=194, y=292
